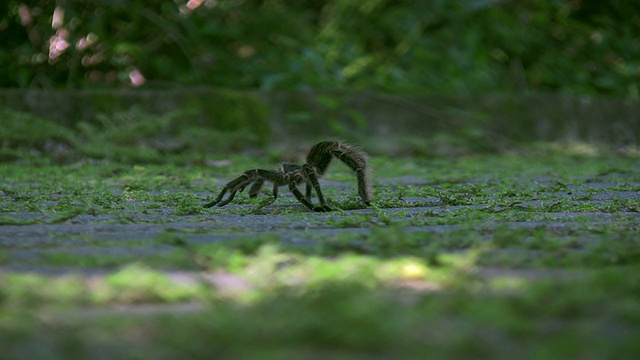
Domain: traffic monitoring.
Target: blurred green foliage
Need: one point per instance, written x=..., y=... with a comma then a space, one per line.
x=23, y=135
x=135, y=135
x=463, y=46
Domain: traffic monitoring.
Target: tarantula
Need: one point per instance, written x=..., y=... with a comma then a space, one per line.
x=317, y=163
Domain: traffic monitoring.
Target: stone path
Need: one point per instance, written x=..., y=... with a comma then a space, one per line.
x=22, y=247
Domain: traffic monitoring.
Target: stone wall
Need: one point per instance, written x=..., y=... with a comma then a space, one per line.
x=311, y=115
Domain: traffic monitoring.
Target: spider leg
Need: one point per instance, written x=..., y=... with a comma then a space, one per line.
x=296, y=192
x=276, y=177
x=232, y=187
x=255, y=188
x=357, y=160
x=313, y=180
x=320, y=156
x=228, y=188
x=232, y=194
x=256, y=176
x=308, y=190
x=364, y=186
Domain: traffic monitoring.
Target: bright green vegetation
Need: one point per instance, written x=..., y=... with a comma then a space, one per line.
x=483, y=256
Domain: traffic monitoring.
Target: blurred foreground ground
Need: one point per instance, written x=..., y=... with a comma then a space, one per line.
x=483, y=256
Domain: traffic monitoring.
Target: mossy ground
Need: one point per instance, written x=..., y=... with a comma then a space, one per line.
x=531, y=253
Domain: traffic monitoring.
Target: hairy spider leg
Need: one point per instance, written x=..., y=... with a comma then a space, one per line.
x=233, y=186
x=318, y=161
x=320, y=157
x=289, y=168
x=262, y=175
x=358, y=164
x=307, y=192
x=293, y=186
x=310, y=174
x=242, y=181
x=255, y=188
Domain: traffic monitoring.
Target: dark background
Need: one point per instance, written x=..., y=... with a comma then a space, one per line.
x=405, y=46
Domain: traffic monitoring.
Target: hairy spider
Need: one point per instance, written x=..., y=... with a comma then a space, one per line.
x=317, y=163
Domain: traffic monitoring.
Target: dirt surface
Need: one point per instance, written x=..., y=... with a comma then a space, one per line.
x=136, y=234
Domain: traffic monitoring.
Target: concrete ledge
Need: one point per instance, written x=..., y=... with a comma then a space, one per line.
x=311, y=115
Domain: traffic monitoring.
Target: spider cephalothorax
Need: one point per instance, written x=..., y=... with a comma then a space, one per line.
x=308, y=173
